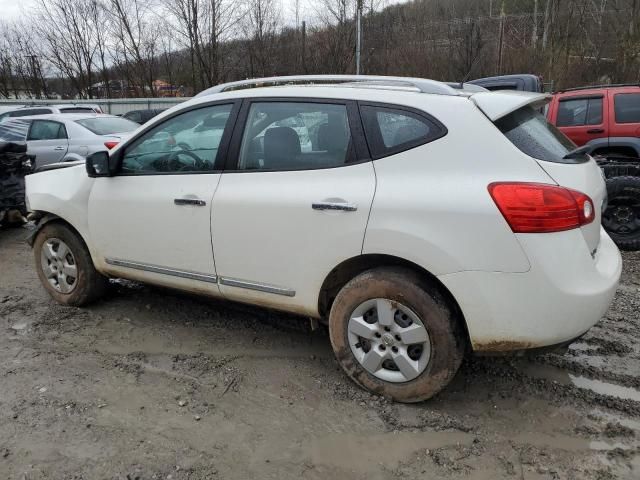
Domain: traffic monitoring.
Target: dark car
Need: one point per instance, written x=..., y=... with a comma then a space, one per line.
x=522, y=82
x=142, y=116
x=14, y=165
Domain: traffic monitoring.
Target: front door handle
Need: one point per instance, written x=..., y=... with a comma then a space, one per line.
x=345, y=207
x=189, y=201
x=59, y=148
x=595, y=130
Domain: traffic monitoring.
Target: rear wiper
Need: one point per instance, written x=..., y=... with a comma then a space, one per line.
x=579, y=152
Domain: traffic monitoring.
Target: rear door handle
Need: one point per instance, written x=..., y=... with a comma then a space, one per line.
x=189, y=201
x=345, y=207
x=59, y=148
x=595, y=130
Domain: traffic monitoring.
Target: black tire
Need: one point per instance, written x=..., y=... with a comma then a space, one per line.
x=89, y=284
x=446, y=337
x=621, y=219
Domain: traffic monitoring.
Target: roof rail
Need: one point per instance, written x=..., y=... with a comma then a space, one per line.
x=423, y=85
x=588, y=87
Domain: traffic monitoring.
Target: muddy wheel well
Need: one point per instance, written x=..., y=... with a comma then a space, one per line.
x=352, y=267
x=45, y=218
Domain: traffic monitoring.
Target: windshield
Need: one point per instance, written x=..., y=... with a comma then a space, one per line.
x=108, y=125
x=529, y=130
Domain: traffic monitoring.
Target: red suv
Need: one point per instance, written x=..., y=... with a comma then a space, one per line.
x=607, y=118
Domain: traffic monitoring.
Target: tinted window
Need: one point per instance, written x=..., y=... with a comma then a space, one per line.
x=529, y=130
x=580, y=111
x=14, y=131
x=30, y=111
x=627, y=107
x=77, y=110
x=107, y=125
x=134, y=116
x=185, y=143
x=47, y=130
x=391, y=130
x=295, y=136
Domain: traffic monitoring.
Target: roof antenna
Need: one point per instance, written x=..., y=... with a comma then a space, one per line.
x=473, y=64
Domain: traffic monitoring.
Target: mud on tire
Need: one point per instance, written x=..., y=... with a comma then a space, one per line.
x=446, y=338
x=87, y=285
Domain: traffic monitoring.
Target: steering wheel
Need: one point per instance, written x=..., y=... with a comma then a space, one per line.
x=198, y=163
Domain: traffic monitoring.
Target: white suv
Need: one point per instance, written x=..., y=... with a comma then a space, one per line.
x=417, y=219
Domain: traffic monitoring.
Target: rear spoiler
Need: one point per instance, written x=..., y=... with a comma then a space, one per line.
x=496, y=105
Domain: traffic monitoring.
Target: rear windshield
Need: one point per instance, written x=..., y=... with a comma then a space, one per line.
x=108, y=125
x=529, y=130
x=77, y=110
x=13, y=131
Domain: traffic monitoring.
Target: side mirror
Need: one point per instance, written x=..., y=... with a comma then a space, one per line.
x=98, y=165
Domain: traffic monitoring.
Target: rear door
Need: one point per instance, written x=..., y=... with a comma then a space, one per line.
x=47, y=140
x=582, y=118
x=293, y=202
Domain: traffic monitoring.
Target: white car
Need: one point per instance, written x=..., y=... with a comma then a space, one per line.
x=66, y=137
x=422, y=221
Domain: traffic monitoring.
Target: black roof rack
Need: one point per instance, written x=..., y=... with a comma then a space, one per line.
x=589, y=87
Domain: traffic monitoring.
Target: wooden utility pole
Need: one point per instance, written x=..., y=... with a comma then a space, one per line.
x=501, y=39
x=358, y=34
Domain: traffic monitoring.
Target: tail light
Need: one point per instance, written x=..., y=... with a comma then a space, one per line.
x=111, y=144
x=541, y=208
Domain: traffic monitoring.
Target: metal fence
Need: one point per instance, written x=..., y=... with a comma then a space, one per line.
x=115, y=106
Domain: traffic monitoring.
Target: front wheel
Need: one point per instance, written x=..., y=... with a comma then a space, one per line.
x=65, y=268
x=394, y=334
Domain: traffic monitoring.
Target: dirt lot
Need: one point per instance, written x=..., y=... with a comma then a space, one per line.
x=150, y=384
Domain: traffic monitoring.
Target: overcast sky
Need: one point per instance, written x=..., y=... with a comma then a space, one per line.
x=12, y=9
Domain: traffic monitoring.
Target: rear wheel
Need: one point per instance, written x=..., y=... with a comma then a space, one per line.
x=65, y=268
x=621, y=219
x=394, y=334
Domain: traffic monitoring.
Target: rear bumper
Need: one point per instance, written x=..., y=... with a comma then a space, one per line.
x=565, y=293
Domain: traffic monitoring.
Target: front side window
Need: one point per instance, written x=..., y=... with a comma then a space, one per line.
x=627, y=107
x=47, y=130
x=295, y=136
x=579, y=111
x=185, y=143
x=390, y=130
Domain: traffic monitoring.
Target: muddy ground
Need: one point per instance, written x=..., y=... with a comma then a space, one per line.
x=150, y=384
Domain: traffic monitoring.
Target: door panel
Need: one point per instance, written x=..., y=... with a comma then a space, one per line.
x=582, y=119
x=266, y=230
x=152, y=222
x=295, y=207
x=47, y=140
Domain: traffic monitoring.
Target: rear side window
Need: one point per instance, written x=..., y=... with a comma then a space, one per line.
x=627, y=107
x=579, y=111
x=391, y=130
x=529, y=130
x=47, y=130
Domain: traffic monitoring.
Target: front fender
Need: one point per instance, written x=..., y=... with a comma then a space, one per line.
x=41, y=218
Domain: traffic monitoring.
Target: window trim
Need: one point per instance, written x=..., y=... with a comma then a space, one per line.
x=358, y=154
x=615, y=115
x=376, y=144
x=35, y=120
x=223, y=147
x=588, y=98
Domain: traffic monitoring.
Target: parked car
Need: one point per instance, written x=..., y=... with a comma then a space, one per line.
x=66, y=137
x=142, y=116
x=14, y=165
x=32, y=110
x=520, y=82
x=605, y=122
x=422, y=222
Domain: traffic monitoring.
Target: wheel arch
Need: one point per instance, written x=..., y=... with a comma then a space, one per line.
x=43, y=218
x=348, y=269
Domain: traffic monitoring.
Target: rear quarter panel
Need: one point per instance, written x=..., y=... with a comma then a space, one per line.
x=431, y=204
